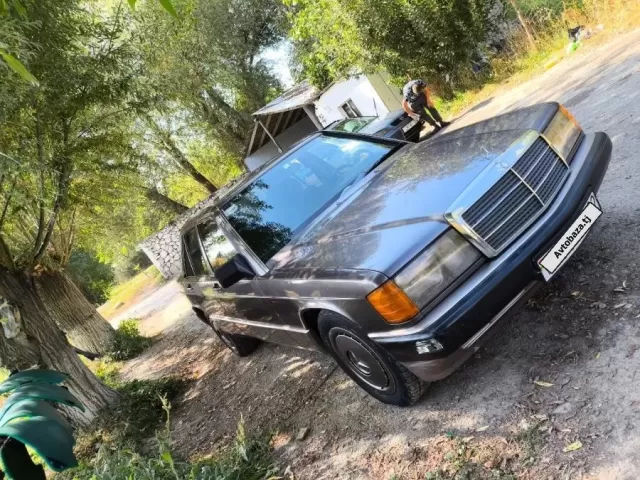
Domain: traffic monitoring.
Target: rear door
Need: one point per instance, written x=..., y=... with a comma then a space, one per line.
x=198, y=284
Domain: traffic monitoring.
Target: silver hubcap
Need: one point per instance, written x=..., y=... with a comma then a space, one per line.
x=362, y=361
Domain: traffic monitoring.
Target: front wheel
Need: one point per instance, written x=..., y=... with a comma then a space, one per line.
x=238, y=344
x=370, y=366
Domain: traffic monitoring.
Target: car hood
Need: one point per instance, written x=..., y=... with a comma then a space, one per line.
x=388, y=217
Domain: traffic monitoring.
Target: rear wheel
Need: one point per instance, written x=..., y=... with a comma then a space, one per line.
x=370, y=366
x=238, y=344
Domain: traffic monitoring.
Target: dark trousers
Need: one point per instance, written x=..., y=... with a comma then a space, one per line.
x=421, y=108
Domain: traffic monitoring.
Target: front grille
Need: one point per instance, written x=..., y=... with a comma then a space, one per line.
x=520, y=195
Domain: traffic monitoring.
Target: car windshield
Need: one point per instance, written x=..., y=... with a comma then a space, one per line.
x=285, y=198
x=353, y=124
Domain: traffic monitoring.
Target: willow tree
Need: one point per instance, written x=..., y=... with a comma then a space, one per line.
x=53, y=136
x=206, y=68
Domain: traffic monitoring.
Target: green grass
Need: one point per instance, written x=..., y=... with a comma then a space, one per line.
x=125, y=293
x=508, y=71
x=523, y=63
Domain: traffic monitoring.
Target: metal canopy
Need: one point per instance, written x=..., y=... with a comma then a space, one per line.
x=281, y=113
x=294, y=98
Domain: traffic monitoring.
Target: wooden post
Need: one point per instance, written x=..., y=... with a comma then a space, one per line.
x=312, y=115
x=270, y=136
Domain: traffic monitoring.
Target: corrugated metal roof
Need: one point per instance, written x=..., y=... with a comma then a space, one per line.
x=296, y=97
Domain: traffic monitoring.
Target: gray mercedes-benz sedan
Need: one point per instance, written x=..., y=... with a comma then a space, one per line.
x=397, y=259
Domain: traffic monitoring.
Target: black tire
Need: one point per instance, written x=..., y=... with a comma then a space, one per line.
x=368, y=364
x=240, y=345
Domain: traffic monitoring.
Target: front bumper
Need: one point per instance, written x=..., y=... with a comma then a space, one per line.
x=462, y=321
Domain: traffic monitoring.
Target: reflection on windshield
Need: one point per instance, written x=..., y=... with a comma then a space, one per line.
x=353, y=124
x=286, y=197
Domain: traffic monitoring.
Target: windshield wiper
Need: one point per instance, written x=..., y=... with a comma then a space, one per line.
x=381, y=159
x=348, y=186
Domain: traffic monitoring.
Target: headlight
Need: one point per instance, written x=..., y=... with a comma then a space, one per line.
x=563, y=132
x=435, y=269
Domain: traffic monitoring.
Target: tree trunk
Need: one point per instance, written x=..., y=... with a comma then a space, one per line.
x=40, y=342
x=84, y=327
x=165, y=202
x=179, y=157
x=526, y=28
x=188, y=167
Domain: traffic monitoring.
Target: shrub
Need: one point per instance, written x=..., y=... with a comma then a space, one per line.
x=246, y=459
x=92, y=277
x=130, y=265
x=128, y=342
x=106, y=370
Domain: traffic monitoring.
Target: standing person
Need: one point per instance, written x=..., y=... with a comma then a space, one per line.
x=417, y=101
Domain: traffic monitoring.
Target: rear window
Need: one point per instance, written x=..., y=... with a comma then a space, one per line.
x=285, y=198
x=186, y=262
x=194, y=253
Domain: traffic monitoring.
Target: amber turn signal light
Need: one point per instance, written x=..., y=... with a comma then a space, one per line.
x=392, y=303
x=570, y=116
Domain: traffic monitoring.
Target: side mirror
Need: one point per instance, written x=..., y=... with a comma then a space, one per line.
x=234, y=270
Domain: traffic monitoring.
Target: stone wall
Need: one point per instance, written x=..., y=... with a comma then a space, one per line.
x=163, y=248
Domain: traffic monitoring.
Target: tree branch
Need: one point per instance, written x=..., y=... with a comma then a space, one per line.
x=3, y=214
x=97, y=121
x=66, y=254
x=64, y=174
x=41, y=212
x=170, y=146
x=164, y=201
x=6, y=257
x=41, y=176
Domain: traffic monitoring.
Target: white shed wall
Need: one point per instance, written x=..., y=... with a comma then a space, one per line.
x=357, y=89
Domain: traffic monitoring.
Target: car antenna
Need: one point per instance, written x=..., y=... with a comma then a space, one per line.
x=375, y=107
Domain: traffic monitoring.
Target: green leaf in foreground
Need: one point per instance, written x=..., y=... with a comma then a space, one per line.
x=132, y=4
x=18, y=67
x=17, y=5
x=168, y=6
x=573, y=447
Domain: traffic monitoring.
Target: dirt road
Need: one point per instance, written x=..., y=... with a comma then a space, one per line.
x=580, y=334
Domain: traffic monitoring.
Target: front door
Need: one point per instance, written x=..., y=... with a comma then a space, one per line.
x=243, y=309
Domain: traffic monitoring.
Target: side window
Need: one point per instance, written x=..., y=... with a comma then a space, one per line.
x=349, y=109
x=195, y=253
x=186, y=262
x=217, y=247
